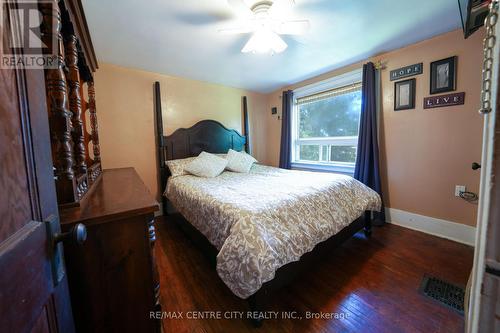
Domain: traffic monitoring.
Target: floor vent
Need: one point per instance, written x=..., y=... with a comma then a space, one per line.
x=444, y=292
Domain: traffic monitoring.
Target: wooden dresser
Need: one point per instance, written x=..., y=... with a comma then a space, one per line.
x=112, y=276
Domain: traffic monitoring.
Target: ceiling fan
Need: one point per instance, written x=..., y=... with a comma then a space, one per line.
x=266, y=20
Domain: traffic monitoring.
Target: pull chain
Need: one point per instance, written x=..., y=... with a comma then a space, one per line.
x=488, y=48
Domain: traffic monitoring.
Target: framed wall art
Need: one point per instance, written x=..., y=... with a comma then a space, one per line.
x=443, y=75
x=404, y=95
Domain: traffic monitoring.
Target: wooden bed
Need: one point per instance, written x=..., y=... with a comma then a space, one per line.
x=213, y=137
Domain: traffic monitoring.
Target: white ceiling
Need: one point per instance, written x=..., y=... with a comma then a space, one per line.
x=180, y=37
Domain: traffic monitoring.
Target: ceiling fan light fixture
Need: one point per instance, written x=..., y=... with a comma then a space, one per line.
x=266, y=20
x=265, y=42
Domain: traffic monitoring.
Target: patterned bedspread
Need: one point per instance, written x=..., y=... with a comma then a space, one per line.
x=267, y=218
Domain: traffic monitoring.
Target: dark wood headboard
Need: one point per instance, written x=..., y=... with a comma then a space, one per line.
x=206, y=135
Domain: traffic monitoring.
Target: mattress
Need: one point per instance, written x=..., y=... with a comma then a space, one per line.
x=267, y=218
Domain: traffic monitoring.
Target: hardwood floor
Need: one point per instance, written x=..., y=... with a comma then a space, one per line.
x=372, y=284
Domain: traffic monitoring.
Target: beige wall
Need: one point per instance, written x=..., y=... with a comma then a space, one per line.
x=424, y=153
x=126, y=115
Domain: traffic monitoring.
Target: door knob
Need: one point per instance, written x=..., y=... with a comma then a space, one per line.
x=476, y=166
x=77, y=234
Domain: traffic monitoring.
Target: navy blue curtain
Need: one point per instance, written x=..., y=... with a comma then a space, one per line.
x=286, y=131
x=367, y=168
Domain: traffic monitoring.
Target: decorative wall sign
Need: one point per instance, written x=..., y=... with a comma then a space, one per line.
x=404, y=95
x=443, y=77
x=444, y=100
x=406, y=71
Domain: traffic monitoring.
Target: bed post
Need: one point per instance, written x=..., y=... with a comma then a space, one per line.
x=160, y=142
x=368, y=223
x=255, y=305
x=245, y=125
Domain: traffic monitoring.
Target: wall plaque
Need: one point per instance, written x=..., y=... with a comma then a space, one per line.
x=406, y=71
x=444, y=100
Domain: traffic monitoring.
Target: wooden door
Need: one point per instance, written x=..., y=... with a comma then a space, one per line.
x=489, y=302
x=33, y=291
x=484, y=304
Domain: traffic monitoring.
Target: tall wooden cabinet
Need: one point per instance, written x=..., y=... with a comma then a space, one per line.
x=112, y=275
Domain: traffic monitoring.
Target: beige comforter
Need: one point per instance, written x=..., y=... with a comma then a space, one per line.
x=267, y=218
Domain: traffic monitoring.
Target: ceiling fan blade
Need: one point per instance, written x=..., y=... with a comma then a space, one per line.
x=236, y=30
x=241, y=8
x=281, y=8
x=278, y=43
x=299, y=27
x=262, y=42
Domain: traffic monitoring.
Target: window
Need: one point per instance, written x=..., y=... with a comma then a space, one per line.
x=325, y=124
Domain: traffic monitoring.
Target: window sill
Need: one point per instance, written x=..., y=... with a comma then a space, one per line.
x=343, y=169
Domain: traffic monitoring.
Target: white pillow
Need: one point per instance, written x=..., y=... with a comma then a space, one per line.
x=176, y=167
x=239, y=161
x=206, y=165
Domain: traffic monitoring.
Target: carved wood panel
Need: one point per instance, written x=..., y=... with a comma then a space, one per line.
x=74, y=170
x=156, y=277
x=86, y=121
x=75, y=103
x=58, y=107
x=94, y=134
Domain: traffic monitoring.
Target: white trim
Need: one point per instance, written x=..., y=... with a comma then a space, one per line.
x=160, y=212
x=485, y=203
x=338, y=81
x=338, y=167
x=445, y=229
x=329, y=141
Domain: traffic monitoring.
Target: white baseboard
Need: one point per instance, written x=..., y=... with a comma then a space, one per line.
x=160, y=212
x=445, y=229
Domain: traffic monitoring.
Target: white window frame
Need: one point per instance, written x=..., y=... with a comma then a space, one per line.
x=329, y=84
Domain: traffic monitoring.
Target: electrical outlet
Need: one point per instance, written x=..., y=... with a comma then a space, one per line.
x=458, y=189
